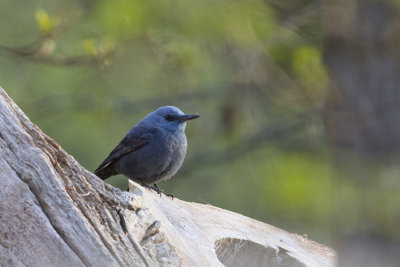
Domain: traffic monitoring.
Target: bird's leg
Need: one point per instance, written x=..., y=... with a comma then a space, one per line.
x=154, y=187
x=157, y=188
x=159, y=191
x=169, y=195
x=149, y=187
x=162, y=191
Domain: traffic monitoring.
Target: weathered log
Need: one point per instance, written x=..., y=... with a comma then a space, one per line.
x=53, y=212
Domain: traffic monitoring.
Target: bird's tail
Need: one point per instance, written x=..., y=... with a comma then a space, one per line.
x=106, y=172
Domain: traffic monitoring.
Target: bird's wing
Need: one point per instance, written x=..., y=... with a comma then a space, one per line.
x=127, y=145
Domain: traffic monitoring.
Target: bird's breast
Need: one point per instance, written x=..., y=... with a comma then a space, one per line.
x=175, y=149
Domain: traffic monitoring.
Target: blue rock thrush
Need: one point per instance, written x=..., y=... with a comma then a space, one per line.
x=153, y=150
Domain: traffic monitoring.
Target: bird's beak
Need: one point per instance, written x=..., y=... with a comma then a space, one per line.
x=187, y=117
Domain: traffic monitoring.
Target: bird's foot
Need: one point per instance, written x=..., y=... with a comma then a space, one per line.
x=158, y=190
x=169, y=195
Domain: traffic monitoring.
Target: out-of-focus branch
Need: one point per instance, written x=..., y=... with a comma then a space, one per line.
x=41, y=50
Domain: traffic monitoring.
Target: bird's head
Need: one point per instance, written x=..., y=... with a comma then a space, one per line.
x=170, y=118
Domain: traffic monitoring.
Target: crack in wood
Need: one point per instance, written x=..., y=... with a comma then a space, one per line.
x=96, y=229
x=144, y=256
x=152, y=230
x=112, y=202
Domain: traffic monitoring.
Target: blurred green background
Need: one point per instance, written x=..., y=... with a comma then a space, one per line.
x=86, y=71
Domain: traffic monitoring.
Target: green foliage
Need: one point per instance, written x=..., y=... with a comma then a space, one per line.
x=310, y=72
x=300, y=183
x=45, y=23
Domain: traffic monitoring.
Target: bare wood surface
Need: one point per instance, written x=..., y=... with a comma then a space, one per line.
x=53, y=212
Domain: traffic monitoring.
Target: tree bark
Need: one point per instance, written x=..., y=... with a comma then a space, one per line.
x=53, y=212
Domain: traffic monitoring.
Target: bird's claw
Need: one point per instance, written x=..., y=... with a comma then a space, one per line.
x=169, y=195
x=158, y=190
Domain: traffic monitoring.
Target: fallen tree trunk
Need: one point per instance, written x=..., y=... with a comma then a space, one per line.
x=53, y=212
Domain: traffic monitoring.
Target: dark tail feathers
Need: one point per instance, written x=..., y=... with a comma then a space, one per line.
x=106, y=172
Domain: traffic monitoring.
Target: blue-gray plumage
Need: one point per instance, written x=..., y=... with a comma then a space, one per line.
x=153, y=150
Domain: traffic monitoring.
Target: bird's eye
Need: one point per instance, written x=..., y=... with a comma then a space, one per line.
x=169, y=117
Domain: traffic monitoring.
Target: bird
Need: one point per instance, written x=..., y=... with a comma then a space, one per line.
x=153, y=150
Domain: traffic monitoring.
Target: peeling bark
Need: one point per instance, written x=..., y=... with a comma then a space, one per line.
x=53, y=212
